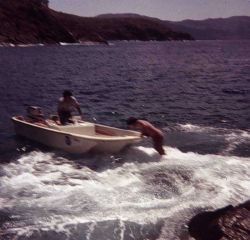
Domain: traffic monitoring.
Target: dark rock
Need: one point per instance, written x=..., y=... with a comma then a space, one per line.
x=229, y=223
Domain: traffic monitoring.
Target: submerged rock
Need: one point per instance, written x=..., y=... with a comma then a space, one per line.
x=229, y=223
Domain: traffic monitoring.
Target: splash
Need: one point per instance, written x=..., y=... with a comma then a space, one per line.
x=43, y=192
x=233, y=137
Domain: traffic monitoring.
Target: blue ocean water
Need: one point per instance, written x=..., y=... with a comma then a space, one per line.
x=197, y=92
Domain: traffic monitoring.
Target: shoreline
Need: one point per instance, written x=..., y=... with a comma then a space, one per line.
x=109, y=43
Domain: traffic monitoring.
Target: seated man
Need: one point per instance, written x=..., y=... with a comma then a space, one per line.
x=66, y=105
x=147, y=129
x=35, y=115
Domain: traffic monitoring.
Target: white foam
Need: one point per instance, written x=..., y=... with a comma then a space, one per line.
x=233, y=137
x=86, y=43
x=236, y=138
x=193, y=128
x=30, y=45
x=69, y=44
x=143, y=189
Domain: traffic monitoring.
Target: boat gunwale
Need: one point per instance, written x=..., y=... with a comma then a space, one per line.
x=87, y=137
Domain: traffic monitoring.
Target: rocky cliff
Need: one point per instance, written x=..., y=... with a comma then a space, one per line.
x=30, y=21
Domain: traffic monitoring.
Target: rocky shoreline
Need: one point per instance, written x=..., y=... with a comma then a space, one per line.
x=229, y=223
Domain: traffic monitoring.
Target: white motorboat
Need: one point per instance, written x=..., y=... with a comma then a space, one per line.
x=79, y=137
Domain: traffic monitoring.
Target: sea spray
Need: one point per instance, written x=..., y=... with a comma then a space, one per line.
x=49, y=193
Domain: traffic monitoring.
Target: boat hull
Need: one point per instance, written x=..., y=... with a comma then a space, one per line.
x=63, y=138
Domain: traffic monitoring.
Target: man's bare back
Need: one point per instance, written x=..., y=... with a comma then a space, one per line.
x=148, y=129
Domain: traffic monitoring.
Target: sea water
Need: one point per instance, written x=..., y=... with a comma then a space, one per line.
x=198, y=93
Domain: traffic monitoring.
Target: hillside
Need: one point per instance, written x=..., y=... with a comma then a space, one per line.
x=32, y=21
x=233, y=28
x=103, y=28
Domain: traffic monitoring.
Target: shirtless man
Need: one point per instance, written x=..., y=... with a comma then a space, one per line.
x=147, y=129
x=66, y=105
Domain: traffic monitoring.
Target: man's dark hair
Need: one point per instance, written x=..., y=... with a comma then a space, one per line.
x=67, y=93
x=131, y=120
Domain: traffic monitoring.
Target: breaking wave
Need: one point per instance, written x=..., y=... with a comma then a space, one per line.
x=42, y=193
x=233, y=137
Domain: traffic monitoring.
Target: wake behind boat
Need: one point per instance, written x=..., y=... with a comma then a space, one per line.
x=79, y=137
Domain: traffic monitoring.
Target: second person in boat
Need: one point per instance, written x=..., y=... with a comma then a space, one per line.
x=66, y=105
